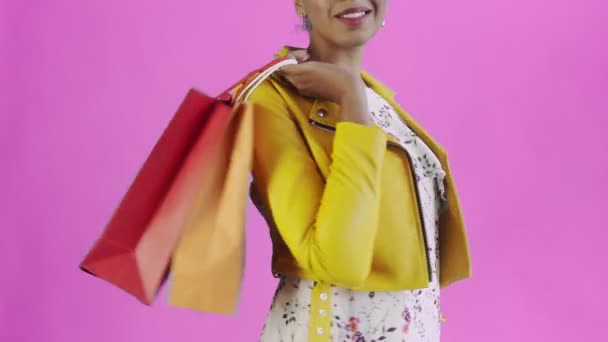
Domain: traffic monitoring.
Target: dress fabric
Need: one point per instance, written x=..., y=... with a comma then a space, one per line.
x=304, y=310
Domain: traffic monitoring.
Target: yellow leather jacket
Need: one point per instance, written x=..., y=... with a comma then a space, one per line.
x=340, y=198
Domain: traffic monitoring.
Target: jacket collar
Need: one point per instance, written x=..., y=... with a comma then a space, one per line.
x=325, y=113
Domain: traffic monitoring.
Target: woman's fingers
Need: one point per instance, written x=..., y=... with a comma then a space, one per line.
x=298, y=75
x=290, y=70
x=291, y=78
x=299, y=55
x=286, y=74
x=299, y=69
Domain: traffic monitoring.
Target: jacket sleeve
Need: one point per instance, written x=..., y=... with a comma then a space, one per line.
x=329, y=225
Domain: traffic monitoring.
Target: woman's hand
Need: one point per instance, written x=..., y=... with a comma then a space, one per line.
x=319, y=80
x=330, y=82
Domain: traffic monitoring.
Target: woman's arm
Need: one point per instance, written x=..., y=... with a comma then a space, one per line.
x=328, y=225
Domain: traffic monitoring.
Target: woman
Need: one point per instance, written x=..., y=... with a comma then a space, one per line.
x=358, y=197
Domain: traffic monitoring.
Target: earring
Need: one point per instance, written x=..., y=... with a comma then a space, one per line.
x=305, y=23
x=383, y=23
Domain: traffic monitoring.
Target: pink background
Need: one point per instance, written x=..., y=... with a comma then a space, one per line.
x=515, y=90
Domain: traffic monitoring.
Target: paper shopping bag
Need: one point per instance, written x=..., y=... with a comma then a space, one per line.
x=207, y=265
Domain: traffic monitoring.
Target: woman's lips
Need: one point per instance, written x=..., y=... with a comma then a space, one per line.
x=354, y=16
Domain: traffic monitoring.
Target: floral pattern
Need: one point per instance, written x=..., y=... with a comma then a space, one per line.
x=425, y=163
x=367, y=316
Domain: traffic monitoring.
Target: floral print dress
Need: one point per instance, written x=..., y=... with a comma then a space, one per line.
x=305, y=310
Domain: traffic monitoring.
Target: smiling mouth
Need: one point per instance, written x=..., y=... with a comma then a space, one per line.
x=354, y=17
x=354, y=13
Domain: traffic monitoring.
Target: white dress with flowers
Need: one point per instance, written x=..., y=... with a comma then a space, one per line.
x=410, y=315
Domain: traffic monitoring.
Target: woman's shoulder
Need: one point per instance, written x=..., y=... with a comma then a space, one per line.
x=270, y=90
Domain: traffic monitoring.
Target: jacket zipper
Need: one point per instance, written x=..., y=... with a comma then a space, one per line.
x=418, y=205
x=322, y=126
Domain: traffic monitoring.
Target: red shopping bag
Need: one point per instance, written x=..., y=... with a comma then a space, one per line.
x=177, y=183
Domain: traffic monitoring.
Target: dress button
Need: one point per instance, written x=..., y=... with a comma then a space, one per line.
x=323, y=296
x=322, y=312
x=322, y=112
x=320, y=331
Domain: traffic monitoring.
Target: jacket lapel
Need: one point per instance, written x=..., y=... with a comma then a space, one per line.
x=389, y=96
x=325, y=115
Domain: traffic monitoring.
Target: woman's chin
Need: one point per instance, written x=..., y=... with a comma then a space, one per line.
x=354, y=39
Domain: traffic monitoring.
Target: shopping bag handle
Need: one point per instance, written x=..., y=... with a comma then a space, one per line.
x=250, y=82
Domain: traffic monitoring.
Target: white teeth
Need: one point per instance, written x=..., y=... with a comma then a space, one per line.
x=353, y=15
